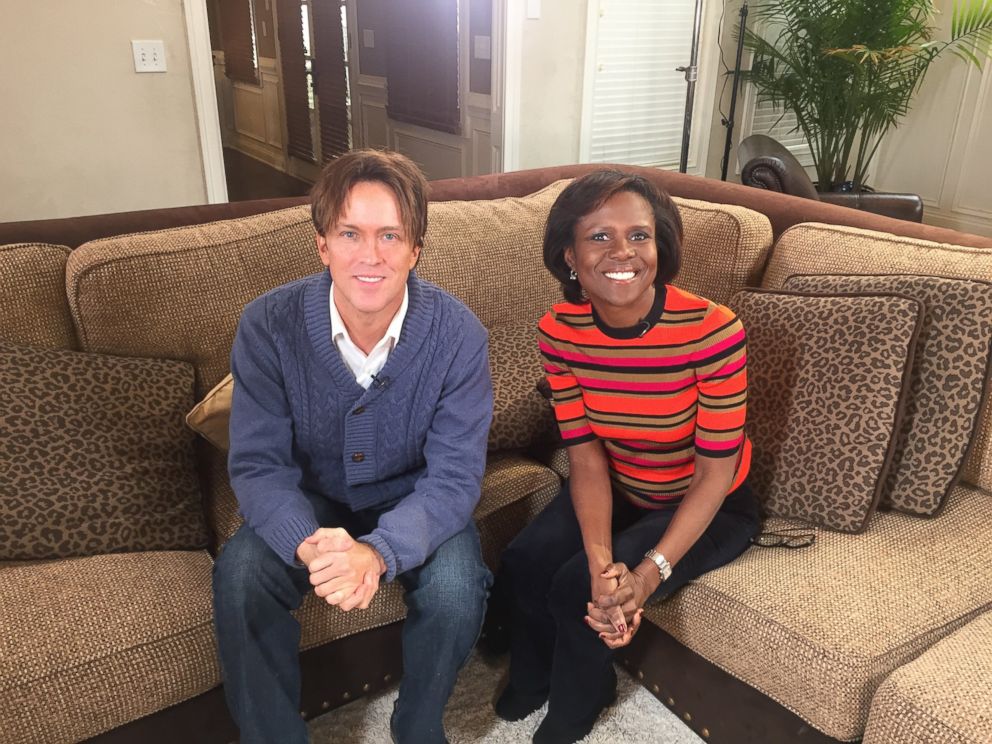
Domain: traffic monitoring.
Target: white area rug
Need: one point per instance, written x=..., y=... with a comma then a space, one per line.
x=637, y=717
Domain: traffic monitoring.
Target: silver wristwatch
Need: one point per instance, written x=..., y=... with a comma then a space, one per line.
x=664, y=567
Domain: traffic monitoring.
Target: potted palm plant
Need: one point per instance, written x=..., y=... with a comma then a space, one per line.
x=848, y=69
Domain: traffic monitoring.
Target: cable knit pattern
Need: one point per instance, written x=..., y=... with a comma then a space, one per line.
x=303, y=429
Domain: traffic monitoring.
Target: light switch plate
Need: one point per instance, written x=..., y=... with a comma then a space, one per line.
x=368, y=38
x=534, y=9
x=481, y=47
x=149, y=55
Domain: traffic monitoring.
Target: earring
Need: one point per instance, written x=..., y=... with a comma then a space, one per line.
x=572, y=275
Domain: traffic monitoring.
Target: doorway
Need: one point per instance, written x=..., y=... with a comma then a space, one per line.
x=283, y=116
x=283, y=91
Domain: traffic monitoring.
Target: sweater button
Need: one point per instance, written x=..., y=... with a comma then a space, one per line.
x=360, y=409
x=358, y=457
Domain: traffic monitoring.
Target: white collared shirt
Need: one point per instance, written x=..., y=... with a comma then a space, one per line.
x=365, y=367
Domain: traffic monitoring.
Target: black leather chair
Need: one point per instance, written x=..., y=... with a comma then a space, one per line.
x=767, y=164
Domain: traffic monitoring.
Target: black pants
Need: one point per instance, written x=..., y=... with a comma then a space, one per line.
x=544, y=579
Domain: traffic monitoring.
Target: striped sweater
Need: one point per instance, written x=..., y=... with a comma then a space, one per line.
x=655, y=394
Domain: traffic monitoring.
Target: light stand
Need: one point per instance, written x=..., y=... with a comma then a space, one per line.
x=690, y=94
x=729, y=121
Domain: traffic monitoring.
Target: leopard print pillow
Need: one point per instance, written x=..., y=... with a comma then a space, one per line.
x=827, y=377
x=94, y=457
x=950, y=374
x=521, y=415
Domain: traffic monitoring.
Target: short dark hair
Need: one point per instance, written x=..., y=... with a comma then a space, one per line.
x=391, y=169
x=588, y=193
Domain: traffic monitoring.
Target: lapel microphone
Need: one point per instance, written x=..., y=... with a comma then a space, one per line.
x=380, y=383
x=645, y=327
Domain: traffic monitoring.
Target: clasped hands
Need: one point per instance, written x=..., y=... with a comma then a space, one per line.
x=343, y=571
x=618, y=597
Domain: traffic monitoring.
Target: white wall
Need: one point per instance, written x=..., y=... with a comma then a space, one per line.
x=940, y=151
x=943, y=148
x=552, y=63
x=81, y=132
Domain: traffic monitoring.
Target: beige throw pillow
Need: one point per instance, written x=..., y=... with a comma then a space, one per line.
x=211, y=417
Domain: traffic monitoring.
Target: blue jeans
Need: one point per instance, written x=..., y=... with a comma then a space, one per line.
x=544, y=578
x=258, y=639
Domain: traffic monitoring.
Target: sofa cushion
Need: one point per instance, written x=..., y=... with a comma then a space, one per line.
x=817, y=629
x=831, y=249
x=32, y=278
x=827, y=377
x=941, y=697
x=94, y=456
x=92, y=643
x=514, y=491
x=950, y=379
x=162, y=651
x=488, y=254
x=223, y=515
x=724, y=248
x=178, y=293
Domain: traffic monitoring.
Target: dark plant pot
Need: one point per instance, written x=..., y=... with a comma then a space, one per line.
x=845, y=188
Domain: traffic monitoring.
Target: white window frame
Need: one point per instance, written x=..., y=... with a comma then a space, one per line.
x=707, y=70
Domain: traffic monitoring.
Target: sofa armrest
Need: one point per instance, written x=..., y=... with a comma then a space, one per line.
x=770, y=173
x=900, y=206
x=767, y=164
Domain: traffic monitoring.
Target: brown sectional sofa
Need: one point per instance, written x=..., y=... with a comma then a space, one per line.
x=810, y=645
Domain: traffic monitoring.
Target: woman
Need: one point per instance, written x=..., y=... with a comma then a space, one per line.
x=649, y=388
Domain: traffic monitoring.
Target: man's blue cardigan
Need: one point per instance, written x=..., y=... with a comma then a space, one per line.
x=302, y=428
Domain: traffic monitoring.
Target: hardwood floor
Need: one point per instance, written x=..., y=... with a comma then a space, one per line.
x=248, y=178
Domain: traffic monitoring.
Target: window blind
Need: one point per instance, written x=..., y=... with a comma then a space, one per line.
x=637, y=107
x=330, y=78
x=780, y=125
x=775, y=121
x=294, y=79
x=422, y=64
x=239, y=41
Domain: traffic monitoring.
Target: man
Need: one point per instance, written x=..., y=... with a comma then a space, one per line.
x=361, y=408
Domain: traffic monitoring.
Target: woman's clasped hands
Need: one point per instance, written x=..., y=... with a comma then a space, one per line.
x=618, y=598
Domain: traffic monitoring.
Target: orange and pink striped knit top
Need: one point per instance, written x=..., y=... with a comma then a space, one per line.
x=656, y=395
